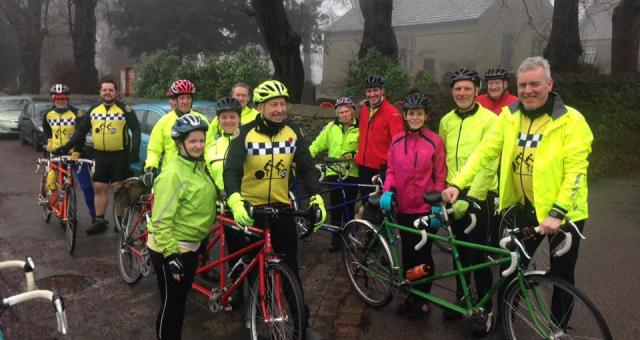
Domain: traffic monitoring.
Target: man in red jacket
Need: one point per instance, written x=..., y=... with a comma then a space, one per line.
x=378, y=122
x=498, y=95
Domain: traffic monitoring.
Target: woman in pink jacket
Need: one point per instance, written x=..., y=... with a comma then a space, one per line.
x=416, y=164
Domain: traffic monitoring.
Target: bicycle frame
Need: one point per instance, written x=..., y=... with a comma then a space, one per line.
x=144, y=213
x=65, y=180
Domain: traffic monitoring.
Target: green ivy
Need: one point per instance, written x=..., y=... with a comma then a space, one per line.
x=397, y=80
x=213, y=76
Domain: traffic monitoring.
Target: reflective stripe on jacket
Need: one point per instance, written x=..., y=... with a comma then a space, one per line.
x=559, y=167
x=416, y=164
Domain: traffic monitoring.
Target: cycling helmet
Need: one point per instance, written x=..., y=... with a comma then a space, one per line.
x=228, y=104
x=268, y=90
x=496, y=73
x=345, y=101
x=187, y=123
x=465, y=74
x=59, y=91
x=182, y=86
x=415, y=101
x=169, y=93
x=373, y=81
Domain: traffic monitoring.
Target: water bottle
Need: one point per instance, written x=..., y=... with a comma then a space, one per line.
x=417, y=272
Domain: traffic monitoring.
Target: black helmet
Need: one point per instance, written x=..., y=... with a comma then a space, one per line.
x=495, y=73
x=465, y=74
x=187, y=123
x=228, y=104
x=373, y=81
x=415, y=101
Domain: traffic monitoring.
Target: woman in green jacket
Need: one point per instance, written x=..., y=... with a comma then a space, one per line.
x=184, y=207
x=339, y=139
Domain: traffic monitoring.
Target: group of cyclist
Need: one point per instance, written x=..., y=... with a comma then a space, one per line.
x=486, y=149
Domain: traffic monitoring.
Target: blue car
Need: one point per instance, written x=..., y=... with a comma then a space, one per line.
x=148, y=115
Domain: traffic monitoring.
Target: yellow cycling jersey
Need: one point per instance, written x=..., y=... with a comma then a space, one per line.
x=108, y=127
x=59, y=127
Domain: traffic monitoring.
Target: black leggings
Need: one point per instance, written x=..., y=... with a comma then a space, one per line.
x=411, y=257
x=173, y=294
x=485, y=224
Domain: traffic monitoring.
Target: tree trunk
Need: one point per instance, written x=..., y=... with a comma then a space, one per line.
x=283, y=44
x=26, y=17
x=378, y=32
x=83, y=35
x=564, y=48
x=625, y=39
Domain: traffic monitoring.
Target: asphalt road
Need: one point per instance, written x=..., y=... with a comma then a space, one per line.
x=102, y=306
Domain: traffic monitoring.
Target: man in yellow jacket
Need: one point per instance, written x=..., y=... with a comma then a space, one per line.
x=543, y=146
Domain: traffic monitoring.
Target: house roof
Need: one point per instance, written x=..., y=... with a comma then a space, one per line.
x=417, y=12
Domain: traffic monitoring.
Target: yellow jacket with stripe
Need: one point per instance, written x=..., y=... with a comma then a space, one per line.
x=160, y=141
x=60, y=125
x=461, y=135
x=110, y=125
x=259, y=161
x=560, y=163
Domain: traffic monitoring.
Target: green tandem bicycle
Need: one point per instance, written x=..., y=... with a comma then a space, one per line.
x=526, y=303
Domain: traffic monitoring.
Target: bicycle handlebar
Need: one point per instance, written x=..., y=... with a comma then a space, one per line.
x=54, y=297
x=335, y=164
x=59, y=159
x=27, y=266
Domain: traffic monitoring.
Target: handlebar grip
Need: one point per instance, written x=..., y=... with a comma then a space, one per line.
x=568, y=238
x=61, y=314
x=513, y=265
x=422, y=242
x=322, y=169
x=472, y=225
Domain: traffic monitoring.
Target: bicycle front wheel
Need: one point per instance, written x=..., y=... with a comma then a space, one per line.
x=71, y=223
x=550, y=308
x=43, y=198
x=131, y=246
x=368, y=262
x=280, y=313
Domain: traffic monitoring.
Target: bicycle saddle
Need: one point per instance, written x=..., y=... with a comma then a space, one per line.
x=432, y=197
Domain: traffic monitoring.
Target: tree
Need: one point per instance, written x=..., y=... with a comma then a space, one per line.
x=625, y=39
x=9, y=58
x=378, y=32
x=27, y=17
x=306, y=18
x=564, y=48
x=83, y=36
x=283, y=44
x=196, y=26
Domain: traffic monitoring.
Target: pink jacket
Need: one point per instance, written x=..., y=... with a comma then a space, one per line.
x=416, y=164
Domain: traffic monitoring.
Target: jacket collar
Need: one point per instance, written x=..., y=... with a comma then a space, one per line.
x=559, y=108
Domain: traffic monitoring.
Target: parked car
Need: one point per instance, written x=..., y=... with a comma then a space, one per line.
x=149, y=113
x=10, y=110
x=30, y=122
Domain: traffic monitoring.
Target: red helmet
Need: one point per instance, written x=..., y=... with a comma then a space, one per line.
x=182, y=86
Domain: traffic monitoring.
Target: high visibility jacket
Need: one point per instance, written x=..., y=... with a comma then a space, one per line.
x=461, y=136
x=337, y=142
x=160, y=141
x=497, y=106
x=184, y=205
x=60, y=125
x=559, y=167
x=416, y=164
x=215, y=157
x=110, y=126
x=376, y=131
x=259, y=160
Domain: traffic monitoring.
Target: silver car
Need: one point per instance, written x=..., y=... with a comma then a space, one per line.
x=10, y=109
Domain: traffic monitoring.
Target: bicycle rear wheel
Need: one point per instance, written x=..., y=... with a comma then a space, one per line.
x=71, y=223
x=550, y=308
x=368, y=262
x=129, y=240
x=284, y=305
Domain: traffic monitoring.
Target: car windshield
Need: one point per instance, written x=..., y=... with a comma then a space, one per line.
x=12, y=104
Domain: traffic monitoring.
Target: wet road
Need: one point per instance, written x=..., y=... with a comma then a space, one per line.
x=104, y=306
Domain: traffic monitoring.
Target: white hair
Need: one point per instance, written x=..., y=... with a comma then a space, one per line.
x=533, y=63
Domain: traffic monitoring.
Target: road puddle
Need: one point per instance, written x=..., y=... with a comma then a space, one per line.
x=65, y=284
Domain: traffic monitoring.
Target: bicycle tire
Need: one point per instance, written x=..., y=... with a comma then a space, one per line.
x=576, y=316
x=284, y=303
x=128, y=262
x=358, y=261
x=43, y=195
x=71, y=223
